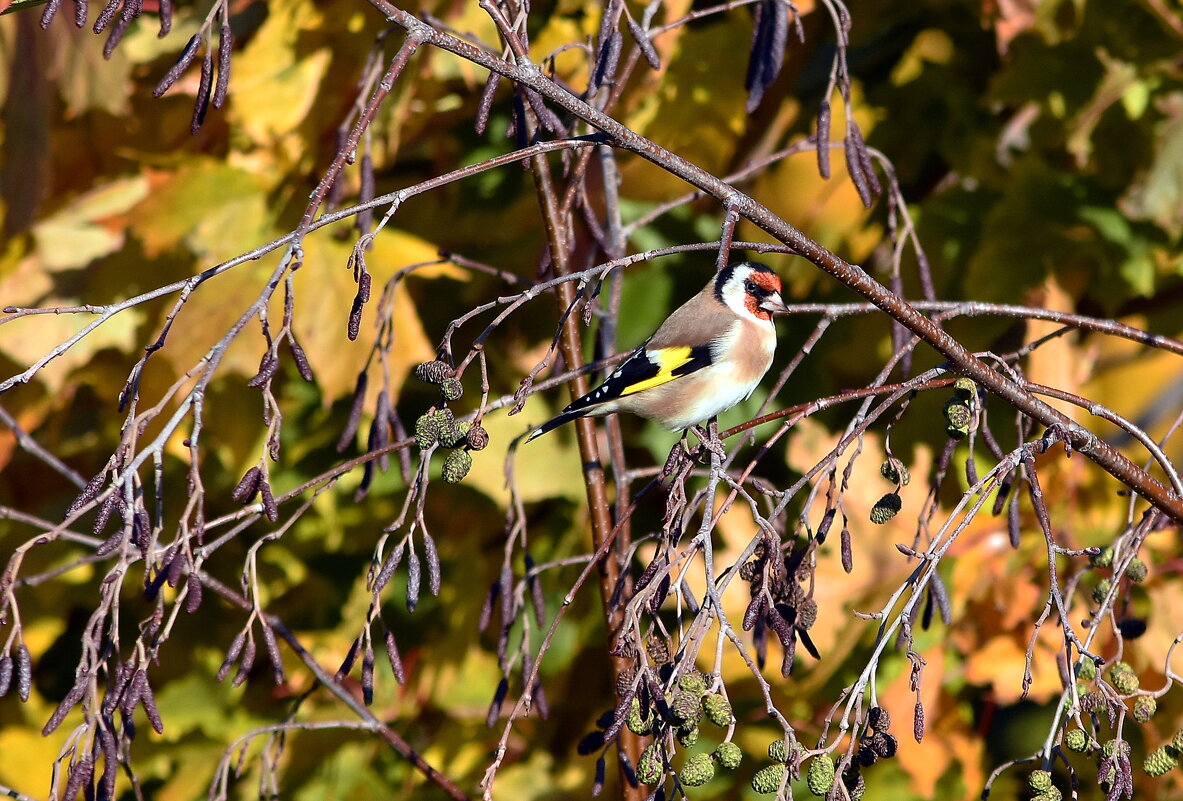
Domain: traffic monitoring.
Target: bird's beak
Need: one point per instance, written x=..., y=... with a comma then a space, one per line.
x=774, y=305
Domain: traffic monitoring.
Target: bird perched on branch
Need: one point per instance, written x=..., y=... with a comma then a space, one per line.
x=706, y=357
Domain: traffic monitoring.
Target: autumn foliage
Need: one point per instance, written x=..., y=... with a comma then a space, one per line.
x=285, y=285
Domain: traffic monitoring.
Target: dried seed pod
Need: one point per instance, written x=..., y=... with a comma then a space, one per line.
x=166, y=16
x=364, y=282
x=866, y=756
x=685, y=707
x=248, y=486
x=24, y=672
x=105, y=16
x=624, y=681
x=414, y=575
x=645, y=44
x=79, y=776
x=273, y=654
x=148, y=699
x=5, y=674
x=231, y=655
x=301, y=360
x=396, y=662
x=225, y=44
x=51, y=10
x=856, y=785
x=89, y=492
x=823, y=139
x=806, y=614
x=885, y=745
x=435, y=372
x=72, y=698
x=193, y=597
x=478, y=437
x=486, y=103
x=353, y=327
x=367, y=674
x=244, y=667
x=658, y=649
x=110, y=751
x=201, y=102
x=270, y=507
x=187, y=56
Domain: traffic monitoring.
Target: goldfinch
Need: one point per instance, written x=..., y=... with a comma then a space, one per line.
x=706, y=357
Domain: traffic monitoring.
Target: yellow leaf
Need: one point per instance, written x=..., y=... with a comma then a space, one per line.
x=29, y=339
x=274, y=85
x=216, y=210
x=999, y=663
x=324, y=295
x=547, y=467
x=77, y=235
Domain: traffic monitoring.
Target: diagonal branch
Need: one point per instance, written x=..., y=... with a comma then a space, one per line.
x=526, y=73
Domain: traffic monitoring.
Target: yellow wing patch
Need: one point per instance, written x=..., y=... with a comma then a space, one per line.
x=667, y=360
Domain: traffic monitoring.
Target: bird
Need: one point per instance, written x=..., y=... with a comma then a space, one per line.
x=707, y=356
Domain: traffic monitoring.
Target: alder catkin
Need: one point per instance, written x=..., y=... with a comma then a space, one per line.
x=225, y=43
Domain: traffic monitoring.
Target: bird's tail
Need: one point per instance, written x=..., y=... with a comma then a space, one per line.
x=566, y=417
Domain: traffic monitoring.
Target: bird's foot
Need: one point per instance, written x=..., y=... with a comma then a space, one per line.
x=709, y=440
x=679, y=455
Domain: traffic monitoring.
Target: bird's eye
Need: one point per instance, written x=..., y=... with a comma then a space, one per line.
x=750, y=286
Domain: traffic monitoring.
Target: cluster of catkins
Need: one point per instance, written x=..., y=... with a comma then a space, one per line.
x=440, y=427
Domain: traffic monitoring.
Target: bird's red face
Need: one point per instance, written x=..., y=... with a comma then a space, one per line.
x=762, y=295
